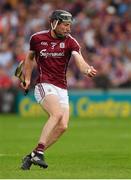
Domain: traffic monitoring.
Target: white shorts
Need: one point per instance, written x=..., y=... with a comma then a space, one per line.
x=44, y=89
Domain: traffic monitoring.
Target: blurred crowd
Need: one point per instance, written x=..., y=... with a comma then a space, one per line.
x=102, y=27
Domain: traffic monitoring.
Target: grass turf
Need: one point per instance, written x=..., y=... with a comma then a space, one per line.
x=91, y=148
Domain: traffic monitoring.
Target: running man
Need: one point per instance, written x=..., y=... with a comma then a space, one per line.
x=52, y=50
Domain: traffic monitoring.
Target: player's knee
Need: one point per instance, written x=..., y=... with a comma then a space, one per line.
x=63, y=126
x=58, y=115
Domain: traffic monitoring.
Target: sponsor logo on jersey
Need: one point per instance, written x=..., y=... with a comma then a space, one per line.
x=45, y=54
x=62, y=45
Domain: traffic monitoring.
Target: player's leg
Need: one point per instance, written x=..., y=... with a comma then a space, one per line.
x=52, y=106
x=59, y=129
x=63, y=122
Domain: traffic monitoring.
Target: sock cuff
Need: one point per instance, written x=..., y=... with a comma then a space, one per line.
x=40, y=147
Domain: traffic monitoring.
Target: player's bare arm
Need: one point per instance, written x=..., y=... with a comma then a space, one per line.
x=28, y=67
x=83, y=66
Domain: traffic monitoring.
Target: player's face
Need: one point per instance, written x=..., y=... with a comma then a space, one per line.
x=63, y=28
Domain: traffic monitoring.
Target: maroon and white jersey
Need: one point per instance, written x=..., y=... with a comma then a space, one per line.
x=52, y=57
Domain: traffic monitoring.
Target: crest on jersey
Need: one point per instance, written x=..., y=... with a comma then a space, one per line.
x=62, y=45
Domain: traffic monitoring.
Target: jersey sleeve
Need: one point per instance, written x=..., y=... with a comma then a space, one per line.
x=32, y=43
x=74, y=46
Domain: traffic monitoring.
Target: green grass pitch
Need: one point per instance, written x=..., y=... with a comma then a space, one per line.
x=91, y=148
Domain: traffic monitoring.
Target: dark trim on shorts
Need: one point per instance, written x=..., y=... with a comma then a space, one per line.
x=41, y=90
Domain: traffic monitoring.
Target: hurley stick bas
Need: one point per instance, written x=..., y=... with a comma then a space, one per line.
x=20, y=76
